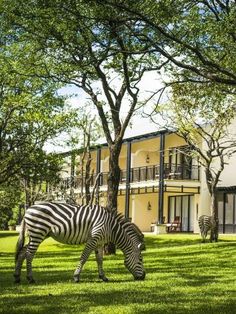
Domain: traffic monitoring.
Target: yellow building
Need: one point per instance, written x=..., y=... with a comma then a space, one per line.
x=163, y=183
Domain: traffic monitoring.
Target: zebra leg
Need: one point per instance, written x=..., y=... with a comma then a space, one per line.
x=30, y=252
x=89, y=247
x=99, y=258
x=203, y=234
x=212, y=235
x=18, y=264
x=29, y=258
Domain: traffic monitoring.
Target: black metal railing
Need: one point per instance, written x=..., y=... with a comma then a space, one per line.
x=181, y=172
x=139, y=174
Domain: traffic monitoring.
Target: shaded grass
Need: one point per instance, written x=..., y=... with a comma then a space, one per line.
x=183, y=276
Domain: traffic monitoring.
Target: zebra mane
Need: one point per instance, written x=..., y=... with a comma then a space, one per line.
x=129, y=226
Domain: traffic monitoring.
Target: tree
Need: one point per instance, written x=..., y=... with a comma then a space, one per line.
x=86, y=132
x=92, y=47
x=39, y=170
x=197, y=38
x=10, y=197
x=31, y=113
x=203, y=118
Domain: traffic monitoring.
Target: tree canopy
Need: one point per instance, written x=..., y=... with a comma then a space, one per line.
x=31, y=112
x=196, y=38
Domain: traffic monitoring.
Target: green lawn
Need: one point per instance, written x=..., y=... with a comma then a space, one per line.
x=183, y=276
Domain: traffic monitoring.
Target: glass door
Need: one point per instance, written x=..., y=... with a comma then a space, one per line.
x=181, y=206
x=227, y=212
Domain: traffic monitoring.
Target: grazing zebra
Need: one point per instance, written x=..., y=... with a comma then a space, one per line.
x=207, y=223
x=71, y=224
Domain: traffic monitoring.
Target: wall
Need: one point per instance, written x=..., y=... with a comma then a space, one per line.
x=141, y=149
x=140, y=214
x=172, y=140
x=121, y=204
x=227, y=179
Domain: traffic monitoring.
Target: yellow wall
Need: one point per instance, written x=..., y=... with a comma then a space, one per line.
x=141, y=149
x=121, y=204
x=94, y=161
x=140, y=214
x=172, y=140
x=104, y=159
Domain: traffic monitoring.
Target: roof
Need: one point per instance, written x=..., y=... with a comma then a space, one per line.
x=231, y=188
x=135, y=138
x=141, y=137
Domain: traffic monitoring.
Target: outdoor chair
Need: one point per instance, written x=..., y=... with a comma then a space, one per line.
x=174, y=226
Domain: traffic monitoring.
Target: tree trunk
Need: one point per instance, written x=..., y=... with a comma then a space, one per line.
x=113, y=187
x=113, y=177
x=214, y=214
x=214, y=205
x=211, y=185
x=87, y=178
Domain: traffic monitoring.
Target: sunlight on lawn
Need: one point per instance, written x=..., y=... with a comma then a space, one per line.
x=183, y=276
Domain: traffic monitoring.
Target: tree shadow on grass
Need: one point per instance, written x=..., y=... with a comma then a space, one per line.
x=161, y=292
x=151, y=296
x=50, y=272
x=106, y=297
x=51, y=267
x=175, y=240
x=154, y=262
x=7, y=234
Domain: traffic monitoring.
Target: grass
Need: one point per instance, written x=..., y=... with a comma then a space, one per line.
x=183, y=276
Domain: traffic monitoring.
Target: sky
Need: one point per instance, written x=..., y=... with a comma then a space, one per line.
x=139, y=124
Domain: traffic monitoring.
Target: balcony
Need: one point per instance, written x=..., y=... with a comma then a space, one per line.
x=141, y=174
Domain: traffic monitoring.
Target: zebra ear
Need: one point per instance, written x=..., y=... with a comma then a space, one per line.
x=141, y=247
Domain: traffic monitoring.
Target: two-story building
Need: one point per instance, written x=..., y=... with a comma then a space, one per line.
x=158, y=183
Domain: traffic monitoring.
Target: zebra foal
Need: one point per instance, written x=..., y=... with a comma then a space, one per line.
x=208, y=223
x=92, y=225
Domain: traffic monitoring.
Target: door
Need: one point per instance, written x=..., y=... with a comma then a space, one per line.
x=227, y=212
x=181, y=206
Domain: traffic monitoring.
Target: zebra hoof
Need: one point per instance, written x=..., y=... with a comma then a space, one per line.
x=76, y=279
x=17, y=279
x=104, y=278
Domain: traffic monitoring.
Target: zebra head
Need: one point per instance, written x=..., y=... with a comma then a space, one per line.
x=132, y=243
x=134, y=263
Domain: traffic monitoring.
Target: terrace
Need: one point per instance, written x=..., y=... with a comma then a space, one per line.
x=140, y=174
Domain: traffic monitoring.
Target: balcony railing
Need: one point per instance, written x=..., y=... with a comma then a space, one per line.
x=139, y=174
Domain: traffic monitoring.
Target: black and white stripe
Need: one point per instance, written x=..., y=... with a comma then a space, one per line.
x=70, y=224
x=208, y=223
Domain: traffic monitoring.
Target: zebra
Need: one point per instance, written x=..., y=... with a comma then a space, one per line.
x=93, y=225
x=207, y=223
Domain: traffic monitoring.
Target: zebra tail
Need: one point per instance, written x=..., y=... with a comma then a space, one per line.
x=21, y=240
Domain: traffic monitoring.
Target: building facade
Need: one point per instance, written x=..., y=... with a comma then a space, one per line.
x=159, y=182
